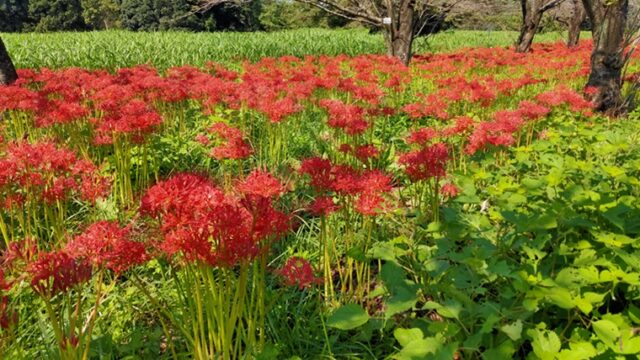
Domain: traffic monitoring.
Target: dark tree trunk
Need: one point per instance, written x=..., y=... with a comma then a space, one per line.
x=400, y=33
x=607, y=58
x=577, y=18
x=8, y=73
x=532, y=11
x=531, y=17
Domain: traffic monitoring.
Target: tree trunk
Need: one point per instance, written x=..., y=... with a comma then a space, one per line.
x=607, y=58
x=8, y=73
x=577, y=18
x=400, y=33
x=531, y=17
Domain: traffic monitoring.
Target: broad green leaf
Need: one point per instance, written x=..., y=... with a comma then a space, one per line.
x=405, y=336
x=542, y=222
x=613, y=171
x=392, y=275
x=514, y=331
x=384, y=251
x=555, y=177
x=419, y=349
x=504, y=351
x=545, y=343
x=560, y=297
x=348, y=317
x=634, y=313
x=612, y=239
x=403, y=299
x=631, y=346
x=607, y=331
x=579, y=351
x=451, y=309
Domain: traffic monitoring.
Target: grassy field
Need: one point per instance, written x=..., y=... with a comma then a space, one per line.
x=471, y=206
x=115, y=49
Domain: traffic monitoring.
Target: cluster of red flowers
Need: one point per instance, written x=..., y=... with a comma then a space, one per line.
x=200, y=223
x=430, y=161
x=369, y=189
x=45, y=172
x=232, y=144
x=103, y=245
x=502, y=131
x=298, y=272
x=347, y=117
x=362, y=152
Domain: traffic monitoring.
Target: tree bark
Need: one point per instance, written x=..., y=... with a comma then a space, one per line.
x=607, y=58
x=531, y=17
x=577, y=18
x=399, y=34
x=532, y=12
x=8, y=73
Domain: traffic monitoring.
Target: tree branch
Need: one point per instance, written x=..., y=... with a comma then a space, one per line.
x=589, y=7
x=550, y=5
x=345, y=12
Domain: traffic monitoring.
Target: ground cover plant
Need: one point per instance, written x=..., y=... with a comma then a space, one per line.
x=469, y=206
x=116, y=49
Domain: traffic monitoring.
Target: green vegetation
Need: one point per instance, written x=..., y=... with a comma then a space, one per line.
x=116, y=49
x=505, y=220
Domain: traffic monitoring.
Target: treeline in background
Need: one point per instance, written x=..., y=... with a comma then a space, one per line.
x=234, y=15
x=159, y=15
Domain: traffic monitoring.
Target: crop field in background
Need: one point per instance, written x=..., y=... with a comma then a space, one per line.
x=116, y=49
x=163, y=198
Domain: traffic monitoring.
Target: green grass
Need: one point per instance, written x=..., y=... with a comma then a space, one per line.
x=116, y=49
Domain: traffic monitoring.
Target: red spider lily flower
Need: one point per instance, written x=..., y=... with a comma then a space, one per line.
x=561, y=96
x=320, y=172
x=182, y=193
x=532, y=111
x=261, y=183
x=48, y=173
x=199, y=223
x=106, y=244
x=323, y=206
x=426, y=163
x=375, y=181
x=233, y=145
x=8, y=316
x=592, y=90
x=347, y=117
x=371, y=204
x=203, y=139
x=449, y=190
x=278, y=110
x=345, y=180
x=421, y=136
x=56, y=272
x=135, y=117
x=298, y=272
x=432, y=105
x=462, y=124
x=346, y=148
x=60, y=112
x=366, y=152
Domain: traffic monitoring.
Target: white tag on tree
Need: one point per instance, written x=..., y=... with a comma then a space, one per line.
x=386, y=21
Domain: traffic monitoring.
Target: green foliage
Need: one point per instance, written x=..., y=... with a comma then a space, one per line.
x=56, y=15
x=286, y=14
x=348, y=317
x=117, y=49
x=13, y=15
x=551, y=267
x=153, y=15
x=101, y=14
